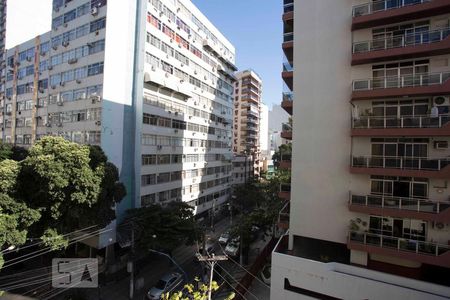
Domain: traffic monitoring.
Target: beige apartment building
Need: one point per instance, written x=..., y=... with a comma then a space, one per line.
x=369, y=209
x=247, y=115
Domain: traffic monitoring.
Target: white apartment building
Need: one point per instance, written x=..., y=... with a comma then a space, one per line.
x=151, y=82
x=369, y=208
x=247, y=109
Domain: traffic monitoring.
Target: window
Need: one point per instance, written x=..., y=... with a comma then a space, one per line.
x=69, y=16
x=179, y=124
x=95, y=69
x=148, y=179
x=163, y=177
x=97, y=47
x=164, y=159
x=98, y=24
x=147, y=200
x=148, y=159
x=177, y=158
x=154, y=21
x=45, y=47
x=174, y=176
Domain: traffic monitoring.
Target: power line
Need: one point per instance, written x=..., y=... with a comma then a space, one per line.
x=247, y=290
x=229, y=284
x=242, y=267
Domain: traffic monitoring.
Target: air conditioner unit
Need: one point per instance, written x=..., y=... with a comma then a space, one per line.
x=53, y=87
x=90, y=45
x=49, y=67
x=78, y=81
x=98, y=123
x=441, y=100
x=95, y=99
x=94, y=11
x=48, y=124
x=176, y=113
x=441, y=145
x=153, y=68
x=29, y=58
x=65, y=24
x=55, y=47
x=62, y=83
x=41, y=91
x=72, y=61
x=65, y=43
x=60, y=124
x=159, y=147
x=60, y=103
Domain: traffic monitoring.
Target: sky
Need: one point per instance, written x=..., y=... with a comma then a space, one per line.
x=254, y=27
x=36, y=14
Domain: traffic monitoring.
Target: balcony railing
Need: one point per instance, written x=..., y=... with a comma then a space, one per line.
x=286, y=127
x=400, y=244
x=288, y=37
x=288, y=96
x=376, y=6
x=373, y=122
x=414, y=39
x=413, y=80
x=288, y=7
x=400, y=203
x=400, y=162
x=283, y=215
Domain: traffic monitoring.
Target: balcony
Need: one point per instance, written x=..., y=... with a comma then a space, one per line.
x=288, y=102
x=285, y=191
x=288, y=75
x=283, y=216
x=424, y=84
x=407, y=46
x=401, y=166
x=401, y=126
x=286, y=132
x=401, y=207
x=288, y=45
x=377, y=13
x=413, y=250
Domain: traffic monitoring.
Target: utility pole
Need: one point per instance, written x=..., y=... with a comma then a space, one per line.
x=211, y=261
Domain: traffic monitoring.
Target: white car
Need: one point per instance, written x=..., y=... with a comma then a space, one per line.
x=224, y=237
x=166, y=284
x=232, y=249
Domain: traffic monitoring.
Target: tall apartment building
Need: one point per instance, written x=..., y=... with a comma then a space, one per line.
x=151, y=82
x=369, y=211
x=247, y=106
x=2, y=45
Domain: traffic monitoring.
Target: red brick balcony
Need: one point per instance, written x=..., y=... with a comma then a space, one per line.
x=288, y=102
x=425, y=252
x=288, y=75
x=285, y=165
x=285, y=191
x=401, y=207
x=414, y=126
x=425, y=84
x=385, y=12
x=428, y=43
x=401, y=166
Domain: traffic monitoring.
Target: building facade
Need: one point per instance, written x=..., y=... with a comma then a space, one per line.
x=158, y=100
x=247, y=110
x=242, y=169
x=369, y=209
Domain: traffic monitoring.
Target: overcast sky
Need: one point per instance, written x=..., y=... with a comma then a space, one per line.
x=26, y=19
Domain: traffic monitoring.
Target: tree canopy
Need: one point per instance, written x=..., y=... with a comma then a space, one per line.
x=163, y=228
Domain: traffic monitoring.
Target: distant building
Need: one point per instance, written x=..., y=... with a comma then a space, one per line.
x=264, y=131
x=247, y=115
x=242, y=169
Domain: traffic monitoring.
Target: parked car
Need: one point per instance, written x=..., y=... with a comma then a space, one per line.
x=224, y=238
x=167, y=283
x=232, y=249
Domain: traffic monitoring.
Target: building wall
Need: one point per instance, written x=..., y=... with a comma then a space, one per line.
x=321, y=124
x=264, y=130
x=344, y=281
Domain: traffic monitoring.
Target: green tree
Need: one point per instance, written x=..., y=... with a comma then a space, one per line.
x=163, y=228
x=284, y=150
x=196, y=291
x=15, y=215
x=59, y=178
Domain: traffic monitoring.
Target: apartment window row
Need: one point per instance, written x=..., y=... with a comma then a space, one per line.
x=200, y=187
x=407, y=187
x=90, y=114
x=24, y=105
x=148, y=159
x=170, y=195
x=156, y=120
x=199, y=70
x=81, y=137
x=79, y=32
x=160, y=178
x=179, y=40
x=72, y=15
x=186, y=109
x=165, y=159
x=158, y=140
x=78, y=73
x=23, y=122
x=168, y=68
x=24, y=139
x=402, y=228
x=186, y=12
x=73, y=54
